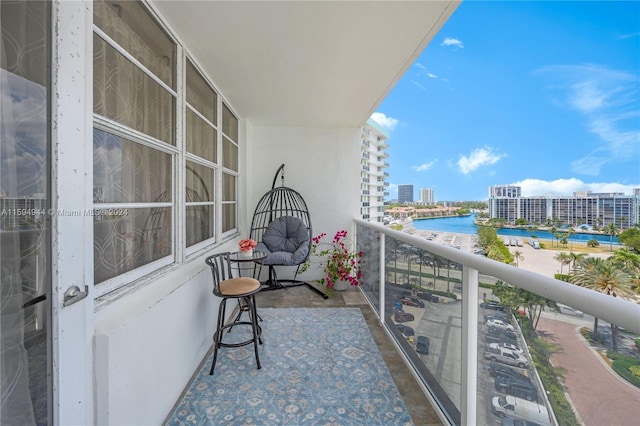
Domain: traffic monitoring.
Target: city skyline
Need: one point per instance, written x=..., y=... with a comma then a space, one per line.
x=542, y=95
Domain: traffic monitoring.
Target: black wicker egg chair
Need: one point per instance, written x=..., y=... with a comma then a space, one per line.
x=282, y=227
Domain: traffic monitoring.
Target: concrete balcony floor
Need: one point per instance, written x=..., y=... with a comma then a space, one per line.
x=302, y=297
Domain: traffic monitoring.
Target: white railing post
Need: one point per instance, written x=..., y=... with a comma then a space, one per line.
x=470, y=290
x=383, y=274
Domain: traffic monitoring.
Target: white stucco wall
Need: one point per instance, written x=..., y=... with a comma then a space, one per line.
x=322, y=164
x=149, y=343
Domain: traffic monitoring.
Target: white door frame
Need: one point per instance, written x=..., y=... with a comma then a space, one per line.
x=71, y=196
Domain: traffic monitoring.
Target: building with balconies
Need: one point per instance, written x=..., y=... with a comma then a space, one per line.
x=374, y=151
x=583, y=208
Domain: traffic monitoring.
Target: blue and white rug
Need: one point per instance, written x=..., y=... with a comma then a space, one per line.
x=319, y=367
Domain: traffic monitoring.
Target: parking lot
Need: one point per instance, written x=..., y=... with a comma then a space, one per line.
x=441, y=323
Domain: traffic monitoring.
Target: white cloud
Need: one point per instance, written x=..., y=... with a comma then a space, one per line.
x=607, y=99
x=479, y=157
x=431, y=75
x=418, y=84
x=449, y=41
x=537, y=187
x=424, y=167
x=386, y=122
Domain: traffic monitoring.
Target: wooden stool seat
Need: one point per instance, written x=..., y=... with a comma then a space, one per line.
x=241, y=289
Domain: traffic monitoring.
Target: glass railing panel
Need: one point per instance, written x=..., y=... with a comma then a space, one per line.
x=522, y=341
x=423, y=312
x=368, y=242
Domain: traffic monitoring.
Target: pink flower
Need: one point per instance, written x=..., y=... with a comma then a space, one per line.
x=340, y=264
x=247, y=244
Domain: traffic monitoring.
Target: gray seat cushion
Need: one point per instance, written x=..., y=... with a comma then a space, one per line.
x=286, y=242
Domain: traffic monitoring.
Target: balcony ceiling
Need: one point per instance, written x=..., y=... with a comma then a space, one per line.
x=305, y=63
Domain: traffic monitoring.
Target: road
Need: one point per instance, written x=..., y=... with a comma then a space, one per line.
x=599, y=396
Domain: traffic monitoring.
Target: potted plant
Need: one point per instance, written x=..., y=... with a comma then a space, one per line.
x=246, y=247
x=340, y=264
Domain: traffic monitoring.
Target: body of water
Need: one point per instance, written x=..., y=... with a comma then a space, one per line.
x=465, y=225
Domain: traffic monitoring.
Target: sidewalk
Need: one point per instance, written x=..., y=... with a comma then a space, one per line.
x=598, y=395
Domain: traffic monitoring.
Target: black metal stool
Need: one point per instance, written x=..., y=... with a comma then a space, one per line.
x=243, y=290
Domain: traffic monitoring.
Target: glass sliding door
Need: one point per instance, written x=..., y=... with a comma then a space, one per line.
x=25, y=244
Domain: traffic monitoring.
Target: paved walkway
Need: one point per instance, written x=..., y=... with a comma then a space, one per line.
x=598, y=395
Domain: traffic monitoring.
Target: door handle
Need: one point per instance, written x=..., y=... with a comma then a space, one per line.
x=73, y=295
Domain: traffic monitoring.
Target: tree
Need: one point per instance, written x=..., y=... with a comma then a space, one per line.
x=627, y=260
x=631, y=238
x=563, y=258
x=574, y=258
x=611, y=230
x=517, y=256
x=593, y=243
x=534, y=304
x=606, y=277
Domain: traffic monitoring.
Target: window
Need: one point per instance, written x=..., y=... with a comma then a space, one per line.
x=145, y=174
x=230, y=164
x=201, y=144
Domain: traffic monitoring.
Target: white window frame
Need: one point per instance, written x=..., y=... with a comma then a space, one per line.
x=179, y=254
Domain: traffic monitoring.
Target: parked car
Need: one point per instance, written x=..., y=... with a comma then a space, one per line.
x=506, y=356
x=496, y=369
x=492, y=304
x=564, y=309
x=510, y=346
x=518, y=388
x=519, y=409
x=506, y=421
x=500, y=324
x=499, y=337
x=496, y=315
x=412, y=301
x=402, y=316
x=428, y=296
x=422, y=345
x=405, y=329
x=508, y=335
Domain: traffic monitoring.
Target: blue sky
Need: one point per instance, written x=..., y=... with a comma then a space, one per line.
x=545, y=95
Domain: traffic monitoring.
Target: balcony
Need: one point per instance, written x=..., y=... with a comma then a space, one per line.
x=450, y=382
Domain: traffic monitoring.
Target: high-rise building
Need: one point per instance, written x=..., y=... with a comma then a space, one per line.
x=405, y=194
x=583, y=208
x=426, y=196
x=373, y=178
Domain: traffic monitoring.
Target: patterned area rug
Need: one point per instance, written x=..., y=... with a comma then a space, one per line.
x=319, y=367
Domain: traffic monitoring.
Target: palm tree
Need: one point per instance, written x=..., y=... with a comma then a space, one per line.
x=606, y=277
x=574, y=258
x=627, y=259
x=570, y=232
x=563, y=258
x=611, y=230
x=517, y=255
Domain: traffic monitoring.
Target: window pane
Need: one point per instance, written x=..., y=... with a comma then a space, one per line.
x=229, y=154
x=122, y=92
x=200, y=95
x=199, y=183
x=126, y=172
x=130, y=239
x=229, y=123
x=228, y=187
x=199, y=224
x=228, y=217
x=201, y=137
x=129, y=24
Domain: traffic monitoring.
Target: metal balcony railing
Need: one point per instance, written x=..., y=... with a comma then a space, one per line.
x=452, y=368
